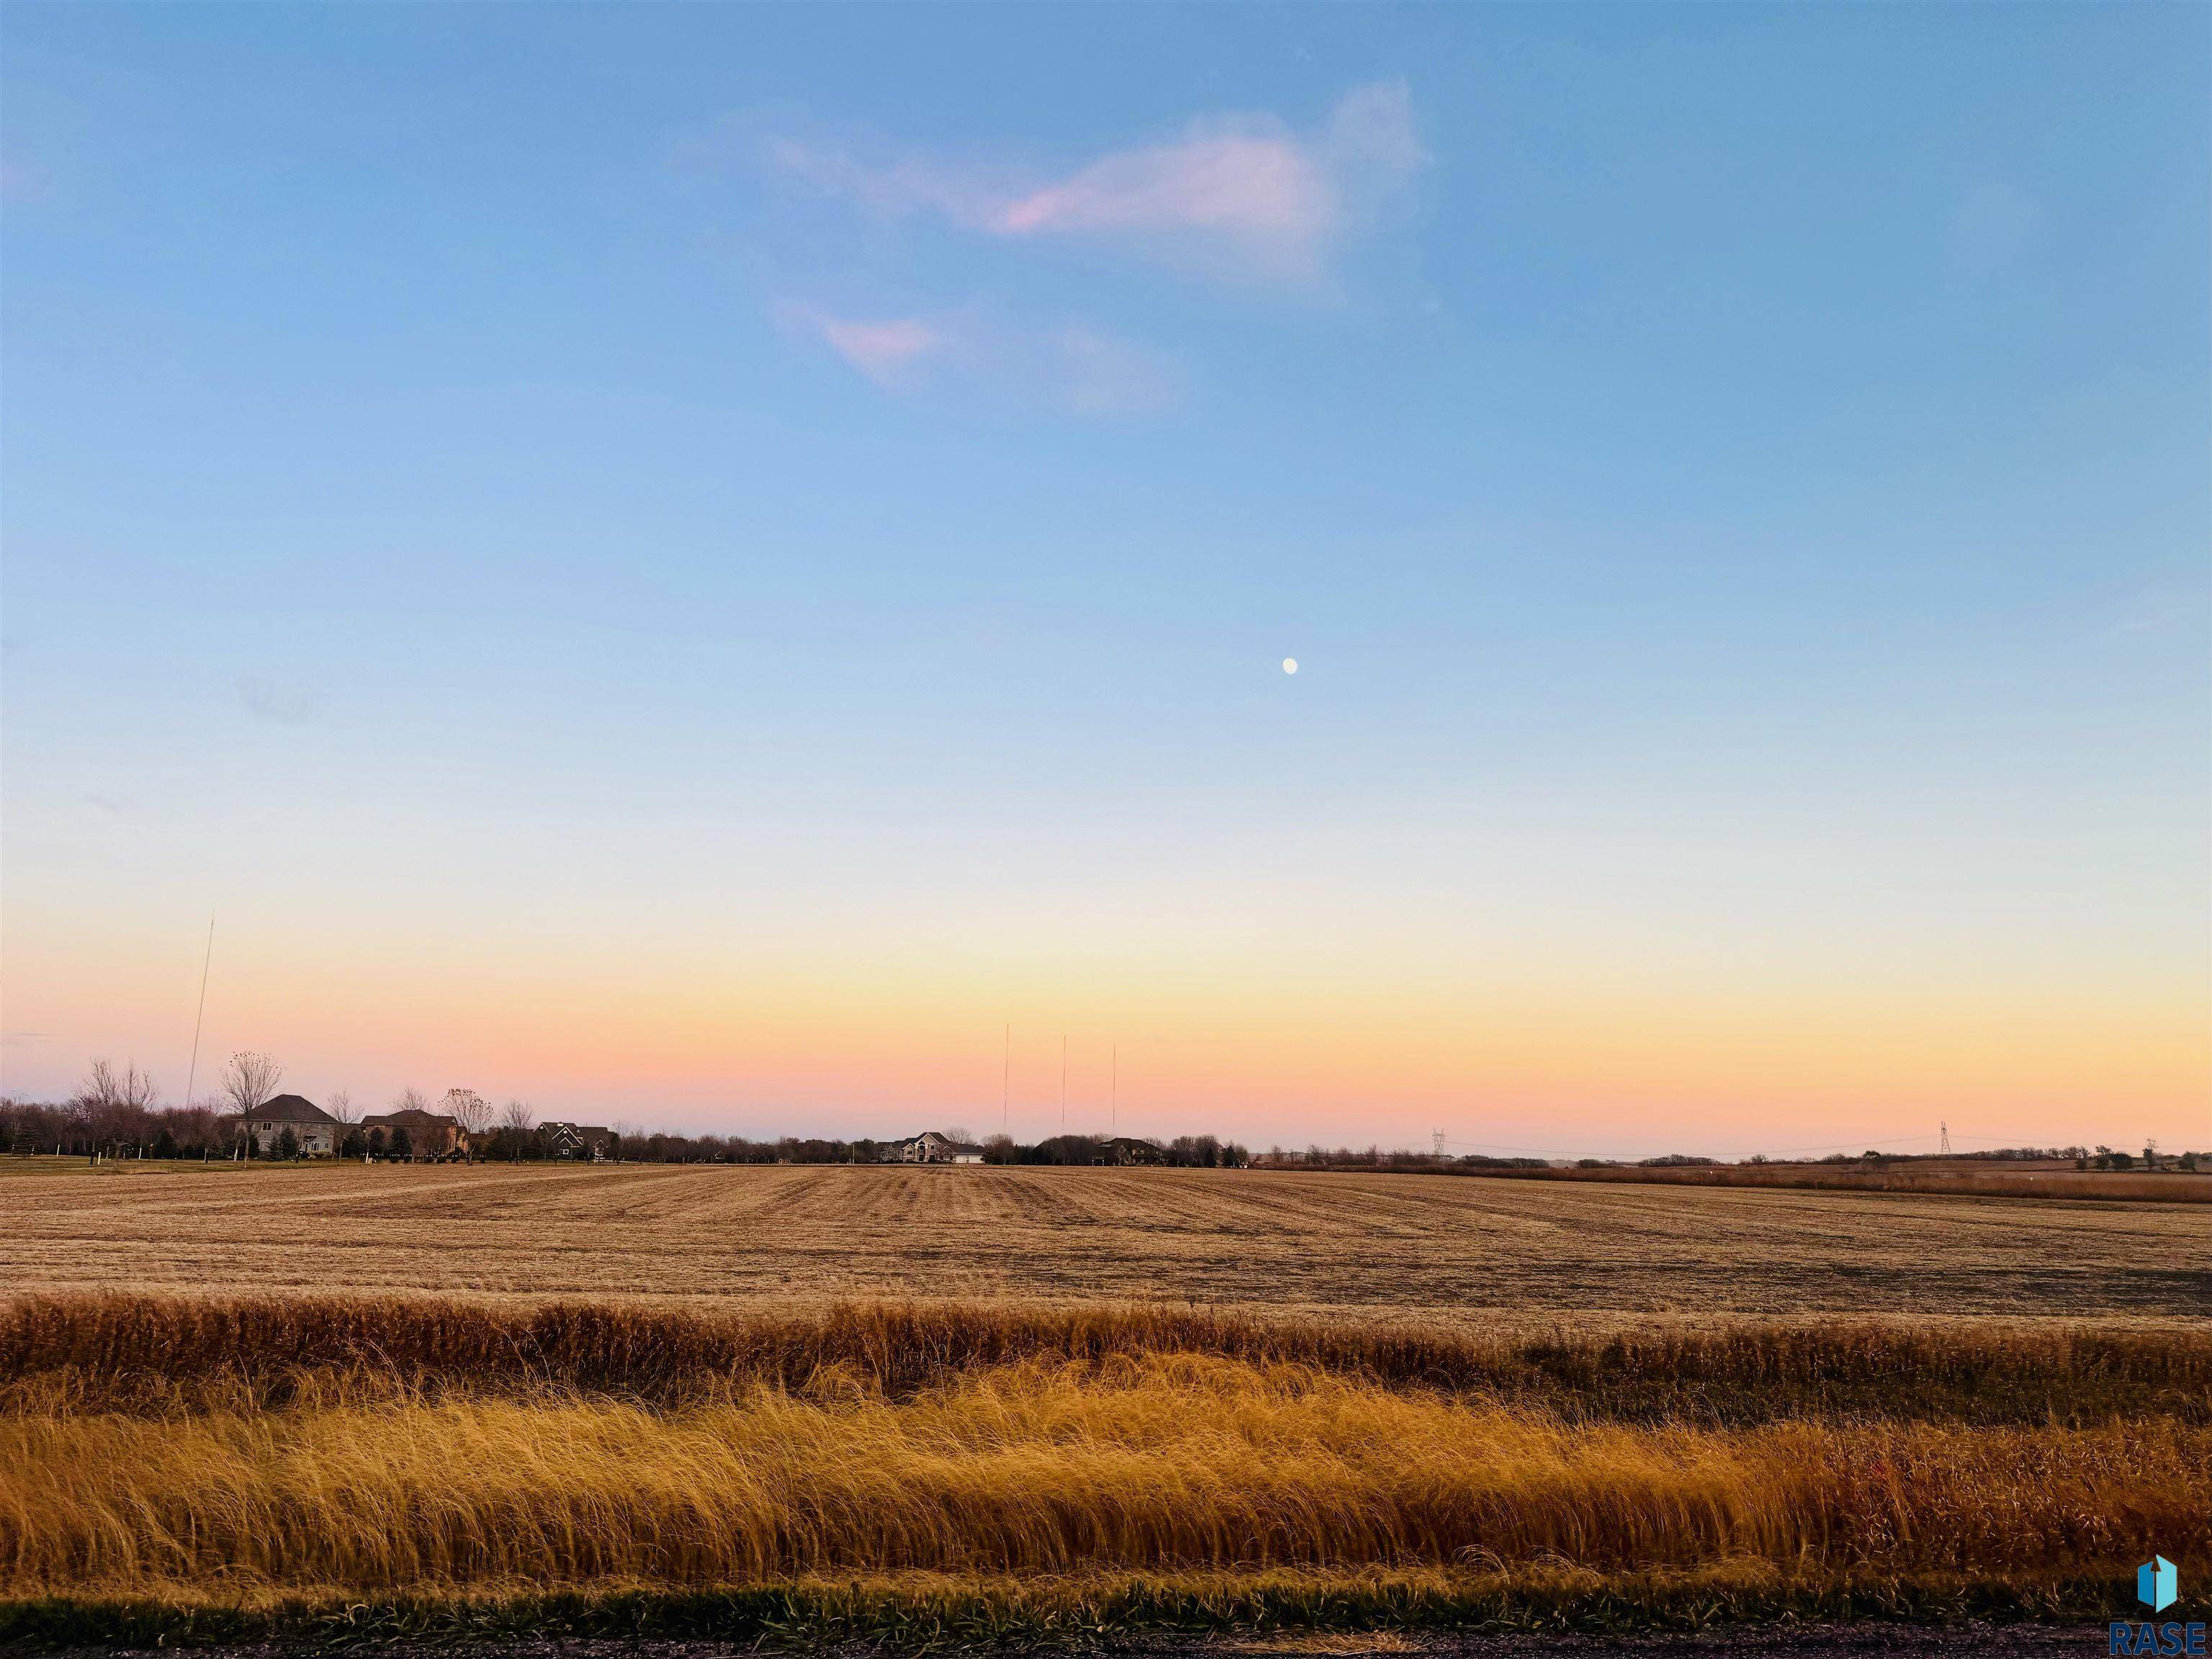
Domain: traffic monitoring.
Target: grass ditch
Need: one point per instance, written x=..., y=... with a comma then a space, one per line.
x=162, y=1354
x=338, y=1470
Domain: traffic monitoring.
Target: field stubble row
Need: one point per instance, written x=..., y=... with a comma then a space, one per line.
x=1455, y=1251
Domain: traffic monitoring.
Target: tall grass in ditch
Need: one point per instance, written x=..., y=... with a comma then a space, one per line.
x=342, y=1449
x=169, y=1353
x=1157, y=1463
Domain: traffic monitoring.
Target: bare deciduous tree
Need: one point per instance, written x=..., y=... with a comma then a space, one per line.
x=468, y=1108
x=250, y=1079
x=410, y=1099
x=516, y=1121
x=113, y=1103
x=105, y=1087
x=101, y=1087
x=343, y=1109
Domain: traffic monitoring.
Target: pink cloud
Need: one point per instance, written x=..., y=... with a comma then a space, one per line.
x=879, y=351
x=883, y=350
x=1246, y=185
x=1249, y=191
x=974, y=355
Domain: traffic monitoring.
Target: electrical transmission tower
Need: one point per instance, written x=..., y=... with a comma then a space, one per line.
x=1438, y=1136
x=1945, y=1150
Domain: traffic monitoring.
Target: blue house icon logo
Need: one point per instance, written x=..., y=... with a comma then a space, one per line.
x=2157, y=1583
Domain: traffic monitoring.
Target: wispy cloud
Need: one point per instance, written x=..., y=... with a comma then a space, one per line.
x=885, y=351
x=291, y=704
x=1070, y=367
x=1245, y=192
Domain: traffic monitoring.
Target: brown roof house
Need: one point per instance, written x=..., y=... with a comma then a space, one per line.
x=1127, y=1149
x=314, y=1130
x=411, y=1133
x=931, y=1147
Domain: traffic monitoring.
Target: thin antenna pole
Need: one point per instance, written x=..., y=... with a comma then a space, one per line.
x=1063, y=1083
x=1007, y=1080
x=1115, y=1121
x=191, y=1074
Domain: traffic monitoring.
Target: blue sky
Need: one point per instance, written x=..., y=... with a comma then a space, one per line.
x=512, y=505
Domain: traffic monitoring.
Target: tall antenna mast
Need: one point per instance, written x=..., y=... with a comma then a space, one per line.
x=1063, y=1083
x=191, y=1074
x=1007, y=1080
x=1115, y=1121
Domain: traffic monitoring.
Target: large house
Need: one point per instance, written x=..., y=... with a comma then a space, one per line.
x=432, y=1135
x=586, y=1142
x=314, y=1130
x=931, y=1147
x=1127, y=1149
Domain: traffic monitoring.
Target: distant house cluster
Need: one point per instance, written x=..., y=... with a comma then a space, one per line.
x=292, y=1125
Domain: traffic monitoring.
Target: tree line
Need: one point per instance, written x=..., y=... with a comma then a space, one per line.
x=117, y=1112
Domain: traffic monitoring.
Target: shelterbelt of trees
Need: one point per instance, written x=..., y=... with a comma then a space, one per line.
x=87, y=1126
x=116, y=1113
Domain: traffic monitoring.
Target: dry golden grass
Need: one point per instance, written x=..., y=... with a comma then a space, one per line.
x=196, y=1453
x=165, y=1355
x=1166, y=1462
x=1446, y=1249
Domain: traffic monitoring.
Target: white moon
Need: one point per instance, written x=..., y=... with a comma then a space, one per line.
x=1290, y=665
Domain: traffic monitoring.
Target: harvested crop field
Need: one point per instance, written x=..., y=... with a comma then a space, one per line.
x=941, y=1406
x=1437, y=1248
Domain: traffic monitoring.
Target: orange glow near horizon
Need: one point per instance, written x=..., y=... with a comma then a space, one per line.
x=1264, y=1052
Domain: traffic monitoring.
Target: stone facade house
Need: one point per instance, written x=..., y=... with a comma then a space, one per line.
x=931, y=1147
x=314, y=1130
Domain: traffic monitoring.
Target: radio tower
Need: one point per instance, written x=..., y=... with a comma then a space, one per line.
x=1945, y=1150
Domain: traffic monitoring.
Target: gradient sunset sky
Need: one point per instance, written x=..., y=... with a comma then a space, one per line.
x=693, y=565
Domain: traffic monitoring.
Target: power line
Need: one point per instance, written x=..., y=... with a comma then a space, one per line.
x=191, y=1075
